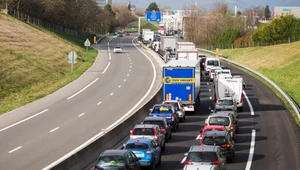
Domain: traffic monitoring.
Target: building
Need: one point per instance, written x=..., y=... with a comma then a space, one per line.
x=281, y=10
x=103, y=3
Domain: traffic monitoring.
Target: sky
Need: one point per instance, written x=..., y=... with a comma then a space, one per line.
x=242, y=4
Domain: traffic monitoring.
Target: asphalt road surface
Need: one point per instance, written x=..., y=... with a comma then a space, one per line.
x=41, y=132
x=275, y=146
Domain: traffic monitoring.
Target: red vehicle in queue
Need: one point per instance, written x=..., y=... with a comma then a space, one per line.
x=211, y=128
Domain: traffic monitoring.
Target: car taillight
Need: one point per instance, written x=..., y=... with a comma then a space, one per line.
x=155, y=138
x=217, y=162
x=149, y=115
x=163, y=129
x=225, y=146
x=149, y=152
x=187, y=162
x=231, y=127
x=95, y=169
x=132, y=132
x=173, y=117
x=241, y=100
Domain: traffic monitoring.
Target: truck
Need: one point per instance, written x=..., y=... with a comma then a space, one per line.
x=148, y=36
x=181, y=81
x=230, y=87
x=187, y=54
x=185, y=45
x=167, y=46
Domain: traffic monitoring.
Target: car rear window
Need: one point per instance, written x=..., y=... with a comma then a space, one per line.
x=214, y=140
x=143, y=131
x=224, y=121
x=202, y=156
x=212, y=62
x=162, y=109
x=136, y=146
x=111, y=160
x=159, y=123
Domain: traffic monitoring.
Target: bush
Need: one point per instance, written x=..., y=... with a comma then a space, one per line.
x=227, y=37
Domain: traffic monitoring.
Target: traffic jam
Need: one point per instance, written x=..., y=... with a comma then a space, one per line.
x=181, y=94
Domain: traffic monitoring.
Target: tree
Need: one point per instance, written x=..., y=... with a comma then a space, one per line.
x=267, y=12
x=129, y=6
x=109, y=9
x=152, y=6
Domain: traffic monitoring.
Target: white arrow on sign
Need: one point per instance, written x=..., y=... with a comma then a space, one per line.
x=87, y=43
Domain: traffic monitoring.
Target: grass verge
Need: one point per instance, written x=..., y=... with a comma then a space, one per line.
x=144, y=24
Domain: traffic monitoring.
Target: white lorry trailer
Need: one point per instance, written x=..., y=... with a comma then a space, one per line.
x=187, y=54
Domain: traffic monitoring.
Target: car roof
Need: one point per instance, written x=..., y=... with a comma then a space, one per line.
x=145, y=126
x=141, y=140
x=215, y=133
x=196, y=148
x=113, y=152
x=200, y=167
x=155, y=118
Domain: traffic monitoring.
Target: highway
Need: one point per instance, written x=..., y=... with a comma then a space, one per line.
x=276, y=144
x=41, y=132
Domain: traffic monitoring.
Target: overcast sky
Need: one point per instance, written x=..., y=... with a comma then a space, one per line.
x=242, y=4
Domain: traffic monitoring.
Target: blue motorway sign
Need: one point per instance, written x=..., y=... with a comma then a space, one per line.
x=153, y=16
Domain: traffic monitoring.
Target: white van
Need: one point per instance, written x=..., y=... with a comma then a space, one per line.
x=211, y=62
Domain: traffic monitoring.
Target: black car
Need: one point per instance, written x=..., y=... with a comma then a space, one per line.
x=117, y=160
x=162, y=122
x=222, y=139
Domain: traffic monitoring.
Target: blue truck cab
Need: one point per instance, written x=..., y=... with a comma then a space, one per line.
x=168, y=111
x=181, y=81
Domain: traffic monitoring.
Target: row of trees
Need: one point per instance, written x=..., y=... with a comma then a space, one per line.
x=82, y=15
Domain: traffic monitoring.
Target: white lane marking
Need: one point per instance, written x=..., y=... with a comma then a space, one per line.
x=111, y=94
x=251, y=151
x=21, y=121
x=15, y=149
x=209, y=89
x=110, y=39
x=109, y=56
x=207, y=83
x=124, y=79
x=127, y=74
x=101, y=133
x=129, y=70
x=250, y=105
x=108, y=45
x=81, y=114
x=183, y=160
x=130, y=63
x=99, y=103
x=106, y=68
x=82, y=89
x=130, y=66
x=210, y=98
x=54, y=129
x=119, y=86
x=198, y=137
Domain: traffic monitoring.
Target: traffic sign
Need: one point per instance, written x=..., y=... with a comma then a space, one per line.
x=87, y=43
x=72, y=57
x=153, y=16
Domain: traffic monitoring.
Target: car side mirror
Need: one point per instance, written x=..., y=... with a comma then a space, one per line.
x=224, y=154
x=185, y=154
x=151, y=110
x=211, y=111
x=235, y=122
x=130, y=131
x=206, y=121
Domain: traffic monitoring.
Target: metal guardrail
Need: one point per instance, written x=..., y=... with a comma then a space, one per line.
x=284, y=94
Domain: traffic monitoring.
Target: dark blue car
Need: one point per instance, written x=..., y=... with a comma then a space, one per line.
x=168, y=111
x=146, y=150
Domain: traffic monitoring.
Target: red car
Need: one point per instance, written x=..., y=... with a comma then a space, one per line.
x=211, y=128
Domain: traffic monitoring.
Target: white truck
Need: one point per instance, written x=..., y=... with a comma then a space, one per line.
x=185, y=45
x=187, y=54
x=148, y=36
x=230, y=87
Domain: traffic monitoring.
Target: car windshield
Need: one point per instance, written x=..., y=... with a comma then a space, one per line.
x=225, y=102
x=214, y=70
x=212, y=62
x=136, y=146
x=111, y=160
x=143, y=131
x=223, y=72
x=214, y=140
x=162, y=109
x=202, y=156
x=224, y=121
x=118, y=47
x=159, y=123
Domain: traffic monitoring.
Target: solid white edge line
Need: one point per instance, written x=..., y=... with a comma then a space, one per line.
x=183, y=160
x=82, y=89
x=106, y=68
x=108, y=45
x=54, y=129
x=109, y=56
x=250, y=105
x=15, y=149
x=251, y=151
x=81, y=114
x=21, y=121
x=101, y=133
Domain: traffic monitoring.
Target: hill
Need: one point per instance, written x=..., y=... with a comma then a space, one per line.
x=280, y=63
x=34, y=63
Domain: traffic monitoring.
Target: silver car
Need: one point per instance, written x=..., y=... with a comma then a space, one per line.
x=179, y=108
x=118, y=49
